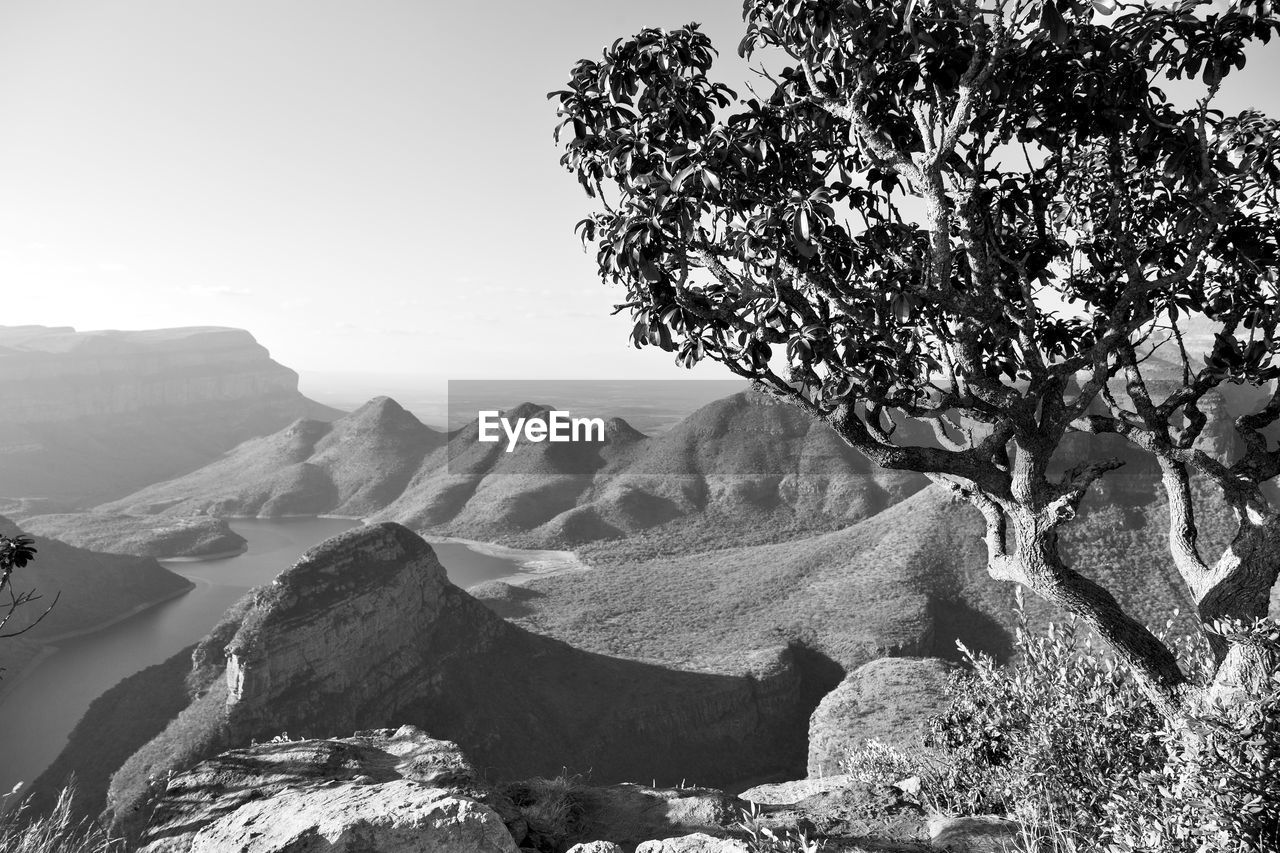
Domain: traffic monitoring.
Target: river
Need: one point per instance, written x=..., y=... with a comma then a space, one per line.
x=38, y=712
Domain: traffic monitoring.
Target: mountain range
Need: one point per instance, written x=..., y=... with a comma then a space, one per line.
x=742, y=468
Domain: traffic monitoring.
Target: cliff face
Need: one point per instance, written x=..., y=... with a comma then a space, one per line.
x=66, y=375
x=90, y=415
x=366, y=631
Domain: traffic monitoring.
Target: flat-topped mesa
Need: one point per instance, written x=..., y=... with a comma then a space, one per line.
x=93, y=415
x=66, y=374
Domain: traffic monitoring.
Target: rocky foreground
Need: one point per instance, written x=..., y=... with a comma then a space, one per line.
x=401, y=791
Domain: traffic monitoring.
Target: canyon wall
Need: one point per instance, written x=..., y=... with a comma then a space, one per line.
x=92, y=415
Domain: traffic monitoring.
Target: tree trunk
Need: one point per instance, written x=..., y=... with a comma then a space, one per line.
x=1153, y=663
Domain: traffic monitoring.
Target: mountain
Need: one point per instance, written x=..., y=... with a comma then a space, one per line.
x=744, y=468
x=93, y=590
x=94, y=415
x=352, y=466
x=366, y=631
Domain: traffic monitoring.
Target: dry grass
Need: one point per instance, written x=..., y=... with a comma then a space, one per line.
x=59, y=831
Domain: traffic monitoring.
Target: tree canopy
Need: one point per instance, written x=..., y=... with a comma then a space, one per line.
x=983, y=214
x=15, y=553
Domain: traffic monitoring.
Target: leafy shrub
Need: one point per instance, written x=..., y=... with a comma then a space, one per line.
x=1065, y=739
x=878, y=763
x=60, y=831
x=1220, y=788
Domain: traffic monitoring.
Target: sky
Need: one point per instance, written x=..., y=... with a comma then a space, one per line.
x=370, y=187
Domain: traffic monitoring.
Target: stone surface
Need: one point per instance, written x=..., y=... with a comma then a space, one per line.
x=377, y=792
x=628, y=814
x=696, y=843
x=876, y=816
x=596, y=847
x=980, y=834
x=790, y=793
x=889, y=700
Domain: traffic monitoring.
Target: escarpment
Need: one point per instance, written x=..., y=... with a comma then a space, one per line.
x=367, y=631
x=93, y=415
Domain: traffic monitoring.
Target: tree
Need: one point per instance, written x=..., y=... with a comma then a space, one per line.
x=980, y=214
x=15, y=553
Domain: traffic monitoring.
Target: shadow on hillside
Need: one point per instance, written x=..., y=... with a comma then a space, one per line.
x=955, y=619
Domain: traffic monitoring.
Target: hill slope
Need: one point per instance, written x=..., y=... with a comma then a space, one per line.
x=910, y=580
x=352, y=466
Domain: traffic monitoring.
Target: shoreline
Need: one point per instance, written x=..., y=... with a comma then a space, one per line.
x=204, y=558
x=49, y=645
x=534, y=563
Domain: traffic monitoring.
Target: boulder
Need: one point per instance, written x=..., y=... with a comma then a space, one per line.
x=391, y=817
x=696, y=843
x=978, y=834
x=790, y=793
x=384, y=791
x=596, y=847
x=564, y=811
x=889, y=700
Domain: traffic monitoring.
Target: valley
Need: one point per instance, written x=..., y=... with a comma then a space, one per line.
x=43, y=702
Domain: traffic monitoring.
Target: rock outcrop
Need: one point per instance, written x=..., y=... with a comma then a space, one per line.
x=366, y=631
x=390, y=791
x=93, y=415
x=162, y=537
x=889, y=700
x=566, y=810
x=697, y=842
x=980, y=834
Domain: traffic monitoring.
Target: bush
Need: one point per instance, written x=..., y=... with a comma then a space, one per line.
x=1064, y=739
x=552, y=808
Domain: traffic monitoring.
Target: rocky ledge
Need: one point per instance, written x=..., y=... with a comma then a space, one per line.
x=390, y=790
x=401, y=791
